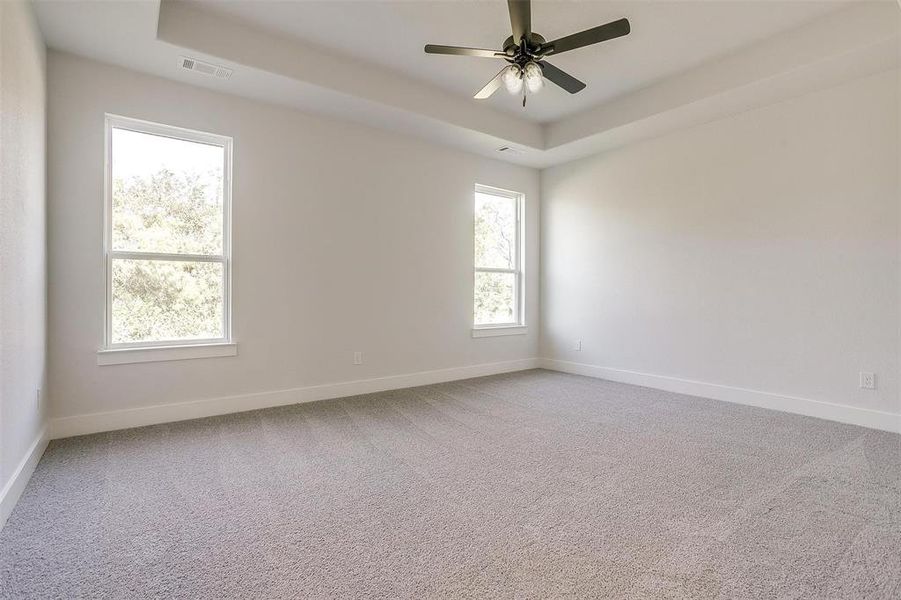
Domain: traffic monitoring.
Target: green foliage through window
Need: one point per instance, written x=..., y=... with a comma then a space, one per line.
x=496, y=259
x=157, y=300
x=167, y=199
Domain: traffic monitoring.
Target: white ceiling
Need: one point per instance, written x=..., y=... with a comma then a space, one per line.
x=685, y=62
x=667, y=37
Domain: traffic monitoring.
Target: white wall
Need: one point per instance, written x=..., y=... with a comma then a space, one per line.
x=345, y=238
x=22, y=242
x=759, y=251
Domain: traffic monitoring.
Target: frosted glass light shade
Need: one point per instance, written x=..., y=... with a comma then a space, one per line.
x=513, y=79
x=534, y=77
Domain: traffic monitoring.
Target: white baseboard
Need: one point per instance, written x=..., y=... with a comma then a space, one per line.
x=873, y=419
x=166, y=413
x=10, y=493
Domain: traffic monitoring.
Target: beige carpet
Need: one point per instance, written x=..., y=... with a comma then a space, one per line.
x=528, y=485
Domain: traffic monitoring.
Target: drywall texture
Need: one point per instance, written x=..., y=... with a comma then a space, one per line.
x=346, y=239
x=23, y=270
x=758, y=251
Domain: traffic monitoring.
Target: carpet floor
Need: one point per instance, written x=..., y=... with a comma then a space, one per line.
x=528, y=485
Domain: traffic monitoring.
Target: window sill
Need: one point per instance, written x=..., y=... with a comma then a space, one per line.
x=122, y=356
x=480, y=332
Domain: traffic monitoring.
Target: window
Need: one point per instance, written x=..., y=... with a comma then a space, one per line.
x=498, y=259
x=167, y=236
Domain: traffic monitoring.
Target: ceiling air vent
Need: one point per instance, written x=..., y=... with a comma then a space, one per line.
x=511, y=150
x=192, y=64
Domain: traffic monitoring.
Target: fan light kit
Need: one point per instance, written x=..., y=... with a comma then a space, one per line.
x=525, y=51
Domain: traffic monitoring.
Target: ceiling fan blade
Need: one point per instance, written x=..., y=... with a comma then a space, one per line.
x=561, y=78
x=520, y=19
x=602, y=33
x=461, y=51
x=491, y=86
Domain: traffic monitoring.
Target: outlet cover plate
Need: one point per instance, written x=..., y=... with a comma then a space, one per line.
x=867, y=380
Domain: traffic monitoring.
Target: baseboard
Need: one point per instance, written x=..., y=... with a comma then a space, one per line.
x=151, y=415
x=873, y=419
x=166, y=413
x=10, y=493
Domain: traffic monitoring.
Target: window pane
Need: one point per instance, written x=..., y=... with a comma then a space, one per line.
x=156, y=300
x=495, y=302
x=167, y=194
x=495, y=231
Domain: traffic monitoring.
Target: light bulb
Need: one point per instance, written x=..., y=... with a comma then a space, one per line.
x=513, y=79
x=534, y=77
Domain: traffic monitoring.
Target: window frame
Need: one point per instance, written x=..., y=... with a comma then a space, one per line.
x=519, y=324
x=112, y=121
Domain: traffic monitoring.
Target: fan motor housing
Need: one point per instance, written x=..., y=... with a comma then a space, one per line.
x=514, y=51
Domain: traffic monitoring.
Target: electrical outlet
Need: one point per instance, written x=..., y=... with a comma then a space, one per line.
x=577, y=345
x=37, y=400
x=867, y=380
x=358, y=358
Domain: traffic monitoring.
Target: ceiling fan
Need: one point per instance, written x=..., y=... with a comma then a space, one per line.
x=525, y=51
